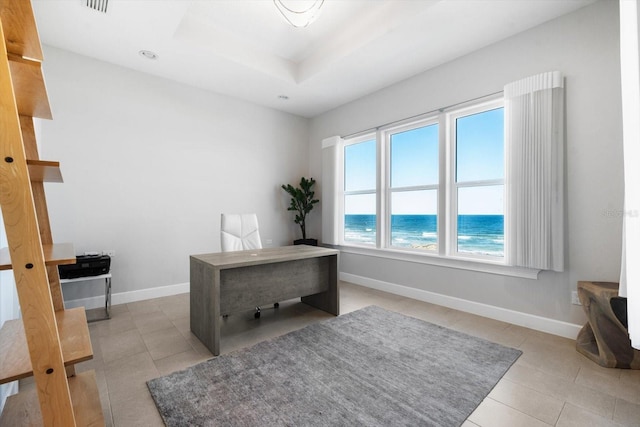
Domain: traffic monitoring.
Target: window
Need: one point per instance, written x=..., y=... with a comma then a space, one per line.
x=433, y=185
x=414, y=186
x=477, y=139
x=360, y=191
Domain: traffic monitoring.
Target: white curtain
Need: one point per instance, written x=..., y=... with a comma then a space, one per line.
x=630, y=82
x=534, y=150
x=331, y=151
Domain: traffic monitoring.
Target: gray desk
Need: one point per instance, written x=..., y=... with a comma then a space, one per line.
x=228, y=282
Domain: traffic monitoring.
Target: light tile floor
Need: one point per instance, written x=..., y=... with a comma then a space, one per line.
x=550, y=384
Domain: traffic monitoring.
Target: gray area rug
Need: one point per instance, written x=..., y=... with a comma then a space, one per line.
x=371, y=367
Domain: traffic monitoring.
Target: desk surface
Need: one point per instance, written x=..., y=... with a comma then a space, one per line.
x=247, y=258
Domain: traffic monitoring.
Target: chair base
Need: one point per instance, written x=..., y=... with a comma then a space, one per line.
x=258, y=309
x=256, y=315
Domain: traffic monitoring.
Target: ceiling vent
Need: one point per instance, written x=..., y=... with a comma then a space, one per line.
x=99, y=5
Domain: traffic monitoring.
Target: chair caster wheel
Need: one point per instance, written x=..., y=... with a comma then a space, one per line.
x=276, y=305
x=257, y=313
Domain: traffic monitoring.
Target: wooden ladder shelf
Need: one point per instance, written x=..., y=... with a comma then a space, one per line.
x=48, y=340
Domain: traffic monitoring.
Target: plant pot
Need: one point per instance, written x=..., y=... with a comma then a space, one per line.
x=310, y=242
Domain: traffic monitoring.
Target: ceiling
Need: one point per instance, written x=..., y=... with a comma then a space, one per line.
x=245, y=49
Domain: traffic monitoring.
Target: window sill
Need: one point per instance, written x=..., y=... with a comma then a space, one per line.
x=482, y=266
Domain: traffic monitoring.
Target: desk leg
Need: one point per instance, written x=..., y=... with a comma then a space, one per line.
x=204, y=297
x=328, y=301
x=217, y=319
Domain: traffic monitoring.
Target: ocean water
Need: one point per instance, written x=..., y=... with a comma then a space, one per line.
x=477, y=234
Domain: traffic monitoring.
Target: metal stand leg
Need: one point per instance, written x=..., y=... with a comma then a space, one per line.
x=107, y=296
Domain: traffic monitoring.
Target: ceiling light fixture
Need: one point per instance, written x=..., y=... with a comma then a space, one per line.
x=99, y=5
x=299, y=13
x=148, y=54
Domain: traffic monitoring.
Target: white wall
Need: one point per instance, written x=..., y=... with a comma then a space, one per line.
x=149, y=165
x=583, y=45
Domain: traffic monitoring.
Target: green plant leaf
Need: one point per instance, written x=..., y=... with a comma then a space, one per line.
x=302, y=201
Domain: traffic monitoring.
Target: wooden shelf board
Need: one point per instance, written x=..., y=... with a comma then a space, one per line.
x=20, y=30
x=14, y=352
x=56, y=254
x=59, y=254
x=44, y=171
x=29, y=87
x=23, y=409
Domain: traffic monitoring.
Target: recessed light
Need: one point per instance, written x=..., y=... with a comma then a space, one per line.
x=283, y=97
x=148, y=54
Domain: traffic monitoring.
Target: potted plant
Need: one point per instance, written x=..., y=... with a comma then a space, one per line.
x=302, y=202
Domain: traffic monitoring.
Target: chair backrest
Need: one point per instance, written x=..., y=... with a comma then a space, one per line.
x=239, y=232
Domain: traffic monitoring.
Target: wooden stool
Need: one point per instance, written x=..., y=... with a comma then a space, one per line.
x=605, y=339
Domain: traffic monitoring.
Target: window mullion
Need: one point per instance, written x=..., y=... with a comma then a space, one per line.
x=447, y=178
x=359, y=192
x=482, y=183
x=414, y=188
x=382, y=186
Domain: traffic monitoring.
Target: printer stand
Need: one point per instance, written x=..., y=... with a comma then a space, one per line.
x=107, y=292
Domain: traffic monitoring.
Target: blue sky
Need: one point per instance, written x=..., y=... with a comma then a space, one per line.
x=414, y=161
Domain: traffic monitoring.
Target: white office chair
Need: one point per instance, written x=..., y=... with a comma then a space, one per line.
x=240, y=232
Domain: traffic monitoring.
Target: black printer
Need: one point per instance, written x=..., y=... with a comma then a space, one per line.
x=86, y=265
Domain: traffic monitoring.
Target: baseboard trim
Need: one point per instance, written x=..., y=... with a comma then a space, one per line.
x=131, y=296
x=7, y=390
x=539, y=323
